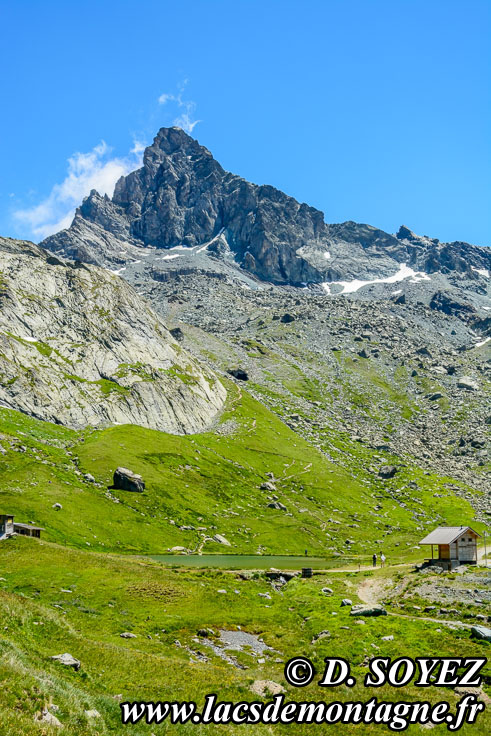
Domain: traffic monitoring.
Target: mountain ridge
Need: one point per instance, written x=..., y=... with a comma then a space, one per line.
x=182, y=196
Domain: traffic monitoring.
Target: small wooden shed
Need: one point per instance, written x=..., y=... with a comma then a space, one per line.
x=9, y=527
x=456, y=545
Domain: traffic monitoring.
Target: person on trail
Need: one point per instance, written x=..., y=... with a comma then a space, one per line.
x=374, y=559
x=382, y=560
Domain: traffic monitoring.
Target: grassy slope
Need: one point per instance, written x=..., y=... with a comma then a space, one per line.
x=209, y=480
x=111, y=594
x=212, y=480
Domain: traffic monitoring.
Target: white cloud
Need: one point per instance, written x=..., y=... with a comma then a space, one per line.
x=93, y=170
x=165, y=98
x=185, y=108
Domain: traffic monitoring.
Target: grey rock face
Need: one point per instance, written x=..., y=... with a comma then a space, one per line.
x=79, y=347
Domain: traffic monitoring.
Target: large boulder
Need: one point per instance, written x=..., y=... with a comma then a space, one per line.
x=127, y=480
x=67, y=660
x=239, y=373
x=387, y=471
x=221, y=540
x=468, y=383
x=481, y=632
x=277, y=505
x=368, y=611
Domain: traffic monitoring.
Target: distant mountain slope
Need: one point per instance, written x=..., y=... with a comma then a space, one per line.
x=79, y=347
x=183, y=197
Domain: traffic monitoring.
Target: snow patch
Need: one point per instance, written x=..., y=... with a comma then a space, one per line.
x=404, y=272
x=481, y=271
x=480, y=344
x=169, y=258
x=119, y=270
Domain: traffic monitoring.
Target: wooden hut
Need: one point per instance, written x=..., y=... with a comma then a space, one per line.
x=9, y=527
x=456, y=545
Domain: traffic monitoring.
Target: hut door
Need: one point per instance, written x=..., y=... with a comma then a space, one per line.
x=444, y=551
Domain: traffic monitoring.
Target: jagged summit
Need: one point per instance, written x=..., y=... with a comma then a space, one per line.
x=182, y=198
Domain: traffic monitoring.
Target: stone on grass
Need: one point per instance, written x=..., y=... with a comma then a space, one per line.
x=127, y=635
x=481, y=632
x=266, y=687
x=368, y=611
x=221, y=540
x=67, y=660
x=277, y=505
x=46, y=717
x=346, y=602
x=321, y=635
x=387, y=471
x=126, y=480
x=92, y=713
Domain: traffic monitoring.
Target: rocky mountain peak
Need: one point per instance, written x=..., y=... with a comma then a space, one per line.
x=182, y=198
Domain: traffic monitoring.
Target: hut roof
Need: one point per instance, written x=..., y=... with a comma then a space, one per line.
x=28, y=526
x=446, y=534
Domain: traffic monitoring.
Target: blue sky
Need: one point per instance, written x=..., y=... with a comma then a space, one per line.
x=371, y=110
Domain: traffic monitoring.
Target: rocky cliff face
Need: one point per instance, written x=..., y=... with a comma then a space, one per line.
x=182, y=197
x=79, y=347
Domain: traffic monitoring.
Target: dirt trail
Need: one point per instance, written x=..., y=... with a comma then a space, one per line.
x=371, y=591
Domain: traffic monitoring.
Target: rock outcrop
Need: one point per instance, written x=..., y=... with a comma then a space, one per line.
x=79, y=347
